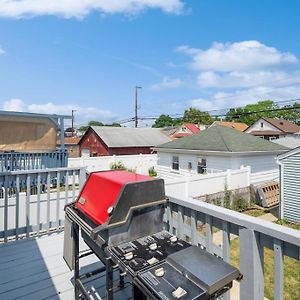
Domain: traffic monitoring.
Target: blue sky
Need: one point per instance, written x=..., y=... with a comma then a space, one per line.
x=89, y=55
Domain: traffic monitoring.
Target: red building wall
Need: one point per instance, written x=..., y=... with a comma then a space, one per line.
x=130, y=150
x=92, y=142
x=97, y=147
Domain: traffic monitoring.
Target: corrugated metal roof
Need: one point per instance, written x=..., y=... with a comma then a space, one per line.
x=224, y=139
x=116, y=137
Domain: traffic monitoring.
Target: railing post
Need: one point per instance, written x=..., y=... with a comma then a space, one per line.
x=82, y=177
x=278, y=270
x=251, y=265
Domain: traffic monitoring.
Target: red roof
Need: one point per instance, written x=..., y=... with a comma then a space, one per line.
x=192, y=127
x=181, y=134
x=69, y=141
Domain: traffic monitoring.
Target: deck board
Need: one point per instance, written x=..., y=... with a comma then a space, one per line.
x=35, y=269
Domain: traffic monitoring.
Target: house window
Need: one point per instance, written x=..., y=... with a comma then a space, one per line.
x=261, y=125
x=201, y=168
x=175, y=163
x=183, y=129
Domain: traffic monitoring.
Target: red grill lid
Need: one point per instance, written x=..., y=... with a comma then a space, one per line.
x=102, y=190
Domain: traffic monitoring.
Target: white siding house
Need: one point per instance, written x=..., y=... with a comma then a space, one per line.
x=290, y=185
x=272, y=129
x=217, y=149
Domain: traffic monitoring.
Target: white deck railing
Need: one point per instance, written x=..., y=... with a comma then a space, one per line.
x=33, y=201
x=254, y=235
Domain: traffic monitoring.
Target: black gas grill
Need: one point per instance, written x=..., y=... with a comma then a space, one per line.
x=133, y=239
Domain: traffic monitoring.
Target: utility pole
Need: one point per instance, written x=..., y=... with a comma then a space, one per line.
x=73, y=110
x=136, y=107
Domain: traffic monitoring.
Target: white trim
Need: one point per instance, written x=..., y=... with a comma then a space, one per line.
x=288, y=153
x=220, y=153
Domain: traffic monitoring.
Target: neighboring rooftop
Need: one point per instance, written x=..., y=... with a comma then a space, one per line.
x=288, y=141
x=223, y=139
x=283, y=125
x=69, y=141
x=236, y=125
x=115, y=137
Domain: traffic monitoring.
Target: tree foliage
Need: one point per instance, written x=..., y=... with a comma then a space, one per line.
x=166, y=121
x=267, y=108
x=196, y=116
x=97, y=123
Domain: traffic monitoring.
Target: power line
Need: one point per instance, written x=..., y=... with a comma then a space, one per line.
x=226, y=110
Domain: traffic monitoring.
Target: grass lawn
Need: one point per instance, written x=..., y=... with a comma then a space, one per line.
x=254, y=212
x=291, y=273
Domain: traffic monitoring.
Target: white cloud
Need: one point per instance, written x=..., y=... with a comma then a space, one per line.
x=241, y=98
x=235, y=74
x=82, y=113
x=167, y=83
x=1, y=50
x=81, y=8
x=247, y=79
x=240, y=56
x=14, y=105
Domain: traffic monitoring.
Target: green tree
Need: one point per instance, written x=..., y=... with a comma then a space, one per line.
x=196, y=116
x=95, y=123
x=267, y=108
x=114, y=124
x=165, y=121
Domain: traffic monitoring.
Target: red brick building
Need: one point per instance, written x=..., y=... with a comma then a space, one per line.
x=104, y=140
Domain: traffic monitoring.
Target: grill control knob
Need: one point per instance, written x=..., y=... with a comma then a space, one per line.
x=128, y=256
x=179, y=292
x=153, y=246
x=173, y=239
x=152, y=261
x=159, y=272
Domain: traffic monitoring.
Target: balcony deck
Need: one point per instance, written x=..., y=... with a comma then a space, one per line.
x=35, y=269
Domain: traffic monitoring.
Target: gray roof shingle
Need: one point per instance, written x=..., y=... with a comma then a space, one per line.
x=223, y=139
x=115, y=137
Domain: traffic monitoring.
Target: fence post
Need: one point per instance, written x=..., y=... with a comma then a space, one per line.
x=248, y=175
x=251, y=265
x=228, y=179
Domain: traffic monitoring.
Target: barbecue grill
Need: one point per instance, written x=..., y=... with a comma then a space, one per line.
x=120, y=217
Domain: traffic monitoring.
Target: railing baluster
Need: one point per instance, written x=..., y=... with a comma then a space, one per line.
x=226, y=250
x=5, y=208
x=208, y=231
x=38, y=213
x=73, y=184
x=180, y=215
x=278, y=270
x=17, y=205
x=48, y=201
x=251, y=265
x=194, y=227
x=28, y=205
x=67, y=188
x=57, y=198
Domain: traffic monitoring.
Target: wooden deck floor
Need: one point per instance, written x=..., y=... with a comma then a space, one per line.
x=34, y=269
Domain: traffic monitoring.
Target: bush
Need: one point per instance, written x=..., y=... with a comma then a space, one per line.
x=240, y=204
x=118, y=166
x=131, y=170
x=152, y=172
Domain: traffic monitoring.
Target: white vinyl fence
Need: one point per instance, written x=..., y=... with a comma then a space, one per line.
x=200, y=185
x=139, y=163
x=261, y=177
